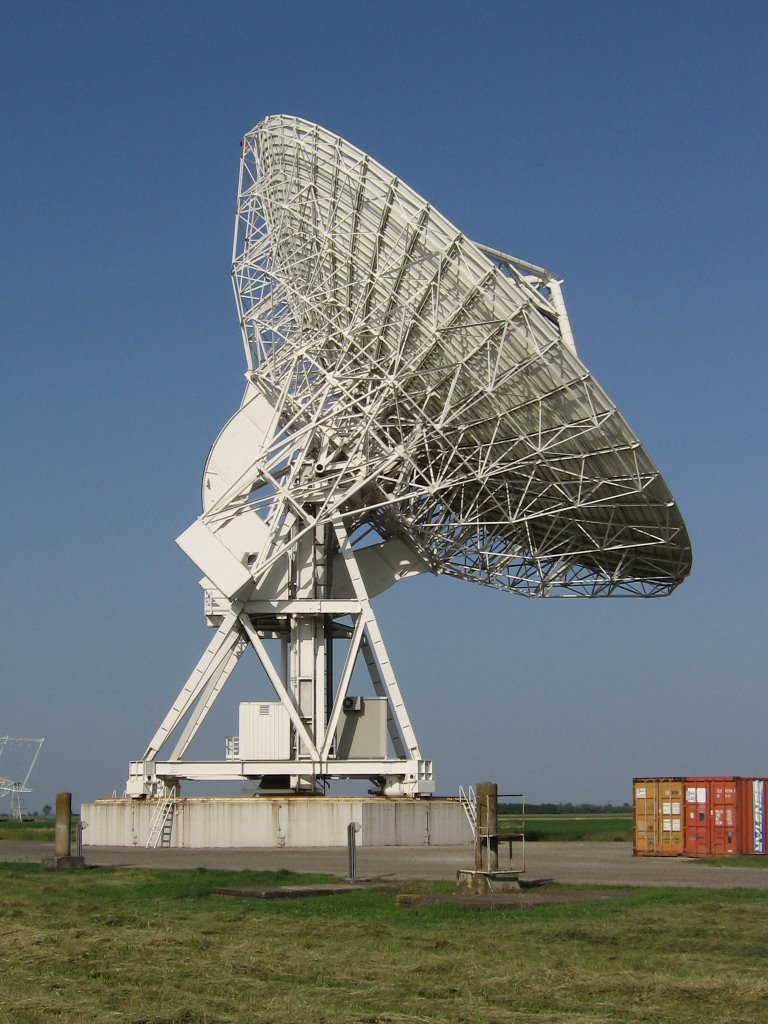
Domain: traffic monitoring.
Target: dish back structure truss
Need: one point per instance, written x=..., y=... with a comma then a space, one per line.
x=414, y=403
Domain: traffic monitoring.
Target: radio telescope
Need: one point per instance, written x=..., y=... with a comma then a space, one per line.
x=15, y=787
x=414, y=403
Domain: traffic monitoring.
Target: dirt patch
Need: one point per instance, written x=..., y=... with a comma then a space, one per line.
x=510, y=901
x=285, y=892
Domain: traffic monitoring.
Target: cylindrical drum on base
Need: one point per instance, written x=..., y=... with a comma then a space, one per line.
x=486, y=844
x=63, y=833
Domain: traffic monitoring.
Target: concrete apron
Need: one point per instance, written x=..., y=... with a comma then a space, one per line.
x=570, y=863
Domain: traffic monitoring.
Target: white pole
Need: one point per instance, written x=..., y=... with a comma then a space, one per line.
x=562, y=316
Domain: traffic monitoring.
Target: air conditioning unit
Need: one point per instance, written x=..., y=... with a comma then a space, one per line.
x=352, y=704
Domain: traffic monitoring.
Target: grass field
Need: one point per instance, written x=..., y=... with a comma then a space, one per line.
x=36, y=829
x=133, y=946
x=31, y=830
x=561, y=828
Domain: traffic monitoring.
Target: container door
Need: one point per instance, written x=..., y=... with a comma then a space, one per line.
x=645, y=818
x=753, y=817
x=697, y=828
x=724, y=814
x=670, y=818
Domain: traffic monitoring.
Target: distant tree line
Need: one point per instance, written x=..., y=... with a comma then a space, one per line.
x=47, y=812
x=514, y=808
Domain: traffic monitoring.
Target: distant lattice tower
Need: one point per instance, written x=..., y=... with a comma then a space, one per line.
x=17, y=788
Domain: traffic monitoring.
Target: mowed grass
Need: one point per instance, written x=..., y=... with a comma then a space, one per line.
x=135, y=946
x=561, y=828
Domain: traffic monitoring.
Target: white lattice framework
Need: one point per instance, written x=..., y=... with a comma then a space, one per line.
x=440, y=382
x=18, y=788
x=414, y=403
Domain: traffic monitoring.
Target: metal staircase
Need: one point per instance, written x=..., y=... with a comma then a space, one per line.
x=469, y=803
x=161, y=825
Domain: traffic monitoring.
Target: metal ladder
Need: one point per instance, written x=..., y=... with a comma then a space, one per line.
x=469, y=803
x=162, y=821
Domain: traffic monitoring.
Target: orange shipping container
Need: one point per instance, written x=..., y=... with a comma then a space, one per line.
x=658, y=818
x=713, y=822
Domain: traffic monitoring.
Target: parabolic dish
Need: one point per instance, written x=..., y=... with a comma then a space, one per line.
x=433, y=385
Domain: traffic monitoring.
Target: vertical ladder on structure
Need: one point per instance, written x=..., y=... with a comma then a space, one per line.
x=161, y=825
x=468, y=802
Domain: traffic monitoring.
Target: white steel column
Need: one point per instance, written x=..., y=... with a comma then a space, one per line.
x=284, y=693
x=392, y=690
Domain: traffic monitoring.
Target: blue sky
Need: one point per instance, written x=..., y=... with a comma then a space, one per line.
x=622, y=145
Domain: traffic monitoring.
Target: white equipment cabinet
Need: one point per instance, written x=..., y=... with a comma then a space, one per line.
x=265, y=733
